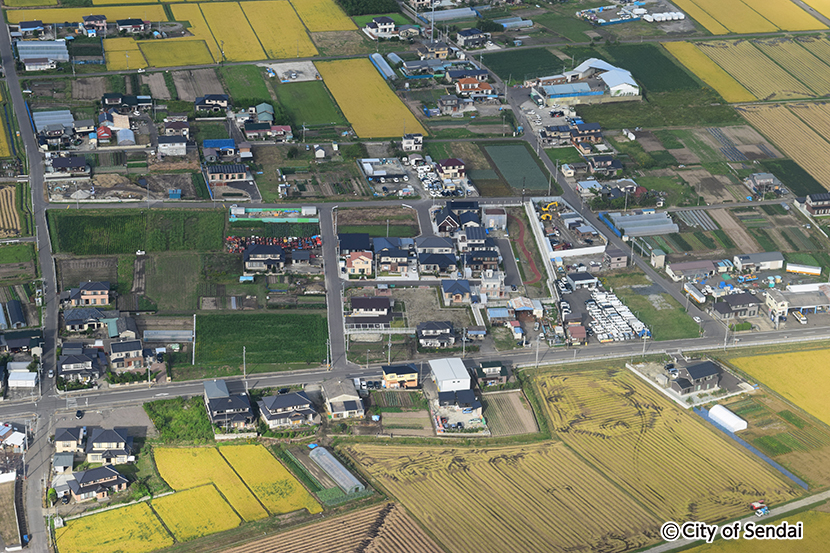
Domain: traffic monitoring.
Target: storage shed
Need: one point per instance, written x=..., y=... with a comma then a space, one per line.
x=336, y=471
x=450, y=375
x=727, y=419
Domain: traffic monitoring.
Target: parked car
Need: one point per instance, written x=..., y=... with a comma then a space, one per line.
x=79, y=414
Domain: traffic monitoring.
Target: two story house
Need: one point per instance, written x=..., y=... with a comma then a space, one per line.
x=81, y=319
x=436, y=334
x=377, y=306
x=80, y=367
x=701, y=377
x=438, y=263
x=263, y=258
x=89, y=293
x=359, y=263
x=212, y=102
x=451, y=168
x=287, y=410
x=226, y=409
x=455, y=291
x=471, y=38
x=342, y=399
x=400, y=376
x=110, y=447
x=97, y=483
x=69, y=440
x=393, y=260
x=126, y=355
x=412, y=142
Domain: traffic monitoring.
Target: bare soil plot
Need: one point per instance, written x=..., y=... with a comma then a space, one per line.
x=472, y=155
x=343, y=43
x=91, y=88
x=508, y=413
x=412, y=423
x=71, y=272
x=8, y=520
x=158, y=88
x=745, y=135
x=192, y=84
x=754, y=151
x=376, y=215
x=743, y=241
x=713, y=188
x=685, y=156
x=422, y=306
x=10, y=271
x=649, y=142
x=304, y=70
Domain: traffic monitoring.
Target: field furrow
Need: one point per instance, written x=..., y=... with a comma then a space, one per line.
x=709, y=72
x=797, y=61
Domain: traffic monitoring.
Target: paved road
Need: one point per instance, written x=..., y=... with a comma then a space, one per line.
x=334, y=289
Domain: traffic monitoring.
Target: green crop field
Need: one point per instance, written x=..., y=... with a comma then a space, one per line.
x=399, y=18
x=518, y=167
x=566, y=26
x=796, y=179
x=524, y=64
x=651, y=67
x=172, y=281
x=17, y=253
x=309, y=103
x=245, y=81
x=106, y=232
x=375, y=231
x=271, y=339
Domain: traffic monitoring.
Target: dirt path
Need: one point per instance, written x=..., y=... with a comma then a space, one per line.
x=531, y=264
x=735, y=231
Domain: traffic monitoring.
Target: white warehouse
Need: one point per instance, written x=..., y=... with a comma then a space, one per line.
x=727, y=418
x=450, y=375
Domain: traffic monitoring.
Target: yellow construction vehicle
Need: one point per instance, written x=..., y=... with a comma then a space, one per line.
x=547, y=207
x=546, y=217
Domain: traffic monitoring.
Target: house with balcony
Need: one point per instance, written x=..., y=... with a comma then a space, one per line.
x=225, y=409
x=127, y=355
x=455, y=292
x=412, y=142
x=436, y=334
x=109, y=447
x=400, y=376
x=97, y=483
x=491, y=373
x=89, y=293
x=286, y=410
x=263, y=258
x=342, y=400
x=359, y=263
x=69, y=440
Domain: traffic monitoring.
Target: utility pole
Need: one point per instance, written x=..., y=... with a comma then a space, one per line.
x=193, y=353
x=244, y=369
x=389, y=352
x=463, y=342
x=538, y=340
x=387, y=228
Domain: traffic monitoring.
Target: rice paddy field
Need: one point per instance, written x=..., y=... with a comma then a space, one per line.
x=798, y=61
x=230, y=27
x=323, y=15
x=148, y=12
x=186, y=52
x=123, y=53
x=371, y=107
x=134, y=528
x=279, y=29
x=798, y=383
x=743, y=16
x=5, y=145
x=196, y=512
x=198, y=26
x=709, y=72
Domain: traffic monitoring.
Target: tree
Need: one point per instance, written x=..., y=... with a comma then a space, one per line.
x=52, y=496
x=489, y=26
x=293, y=151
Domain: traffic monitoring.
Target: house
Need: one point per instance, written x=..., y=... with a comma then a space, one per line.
x=219, y=174
x=363, y=306
x=447, y=105
x=447, y=221
x=461, y=400
x=63, y=463
x=16, y=317
x=438, y=263
x=70, y=165
x=104, y=135
x=412, y=142
x=690, y=270
x=433, y=50
x=132, y=26
x=90, y=293
x=586, y=132
x=735, y=306
x=472, y=236
x=172, y=145
x=483, y=260
x=69, y=440
x=263, y=258
x=126, y=355
x=282, y=133
x=818, y=204
x=434, y=244
x=263, y=112
x=469, y=219
x=764, y=261
x=125, y=328
x=38, y=64
x=212, y=102
x=225, y=409
x=83, y=126
x=81, y=367
x=81, y=319
x=451, y=169
x=472, y=86
x=31, y=27
x=110, y=447
x=359, y=263
x=454, y=75
x=254, y=129
x=455, y=291
x=492, y=284
x=300, y=257
x=97, y=483
x=292, y=409
x=495, y=218
x=582, y=280
x=381, y=26
x=616, y=259
x=471, y=38
x=342, y=400
x=400, y=376
x=436, y=334
x=177, y=128
x=701, y=377
x=392, y=260
x=449, y=375
x=763, y=183
x=353, y=242
x=491, y=373
x=604, y=165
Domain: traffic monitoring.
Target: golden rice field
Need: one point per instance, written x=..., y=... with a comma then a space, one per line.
x=796, y=376
x=821, y=6
x=175, y=52
x=120, y=2
x=536, y=497
x=668, y=459
x=132, y=529
x=793, y=137
x=366, y=100
x=270, y=481
x=803, y=65
x=756, y=72
x=148, y=12
x=819, y=46
x=230, y=26
x=9, y=218
x=736, y=16
x=816, y=530
x=708, y=71
x=323, y=15
x=279, y=29
x=814, y=114
x=123, y=53
x=195, y=513
x=5, y=139
x=29, y=3
x=184, y=468
x=786, y=15
x=698, y=14
x=198, y=26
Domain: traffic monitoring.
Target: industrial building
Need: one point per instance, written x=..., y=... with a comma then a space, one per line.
x=592, y=81
x=764, y=261
x=638, y=223
x=450, y=375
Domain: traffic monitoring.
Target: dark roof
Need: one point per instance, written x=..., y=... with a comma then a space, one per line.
x=176, y=125
x=466, y=398
x=445, y=213
x=383, y=19
x=393, y=253
x=15, y=312
x=681, y=383
x=264, y=249
x=722, y=307
x=69, y=162
x=445, y=326
x=451, y=162
x=455, y=286
x=90, y=18
x=68, y=434
x=462, y=205
x=588, y=127
x=230, y=403
x=354, y=242
x=362, y=302
x=286, y=401
x=123, y=22
x=124, y=324
x=476, y=233
x=83, y=314
x=231, y=168
x=84, y=478
x=254, y=126
x=94, y=286
x=469, y=217
x=72, y=360
x=702, y=370
x=446, y=398
x=581, y=276
x=469, y=32
x=399, y=369
x=443, y=260
x=97, y=434
x=820, y=197
x=172, y=140
x=123, y=347
x=300, y=255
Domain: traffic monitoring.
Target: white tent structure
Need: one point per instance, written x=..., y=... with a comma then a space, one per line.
x=727, y=418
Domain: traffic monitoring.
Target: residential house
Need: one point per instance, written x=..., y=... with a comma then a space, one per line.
x=438, y=263
x=472, y=236
x=435, y=334
x=363, y=306
x=690, y=270
x=83, y=126
x=604, y=165
x=172, y=145
x=702, y=377
x=471, y=38
x=292, y=409
x=177, y=128
x=616, y=259
x=469, y=219
x=263, y=113
x=471, y=86
x=400, y=376
x=434, y=244
x=104, y=135
x=127, y=354
x=125, y=328
x=455, y=291
x=263, y=258
x=454, y=75
x=97, y=483
x=491, y=373
x=447, y=105
x=31, y=27
x=393, y=260
x=492, y=283
x=359, y=263
x=449, y=375
x=451, y=169
x=83, y=366
x=69, y=440
x=342, y=400
x=353, y=242
x=433, y=50
x=586, y=132
x=63, y=463
x=495, y=218
x=447, y=221
x=300, y=257
x=110, y=447
x=381, y=26
x=256, y=129
x=733, y=306
x=219, y=174
x=460, y=400
x=132, y=26
x=763, y=183
x=90, y=293
x=818, y=204
x=282, y=133
x=70, y=165
x=408, y=31
x=482, y=260
x=212, y=102
x=412, y=142
x=226, y=409
x=81, y=319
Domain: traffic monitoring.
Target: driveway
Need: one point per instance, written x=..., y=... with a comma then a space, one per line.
x=512, y=277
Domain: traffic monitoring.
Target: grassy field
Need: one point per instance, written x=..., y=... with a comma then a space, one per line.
x=651, y=67
x=103, y=232
x=17, y=253
x=564, y=155
x=244, y=81
x=375, y=231
x=678, y=191
x=666, y=322
x=272, y=340
x=518, y=166
x=196, y=512
x=172, y=281
x=566, y=26
x=8, y=521
x=134, y=528
x=308, y=103
x=180, y=421
x=520, y=65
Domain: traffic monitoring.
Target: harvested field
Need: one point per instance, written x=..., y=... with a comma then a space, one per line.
x=192, y=84
x=509, y=497
x=743, y=241
x=713, y=188
x=8, y=520
x=508, y=413
x=71, y=272
x=91, y=88
x=346, y=43
x=412, y=423
x=9, y=217
x=803, y=65
x=158, y=88
x=384, y=528
x=422, y=306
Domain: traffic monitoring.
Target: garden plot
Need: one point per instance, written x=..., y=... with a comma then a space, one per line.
x=508, y=413
x=715, y=189
x=90, y=88
x=72, y=272
x=198, y=82
x=735, y=231
x=411, y=423
x=158, y=88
